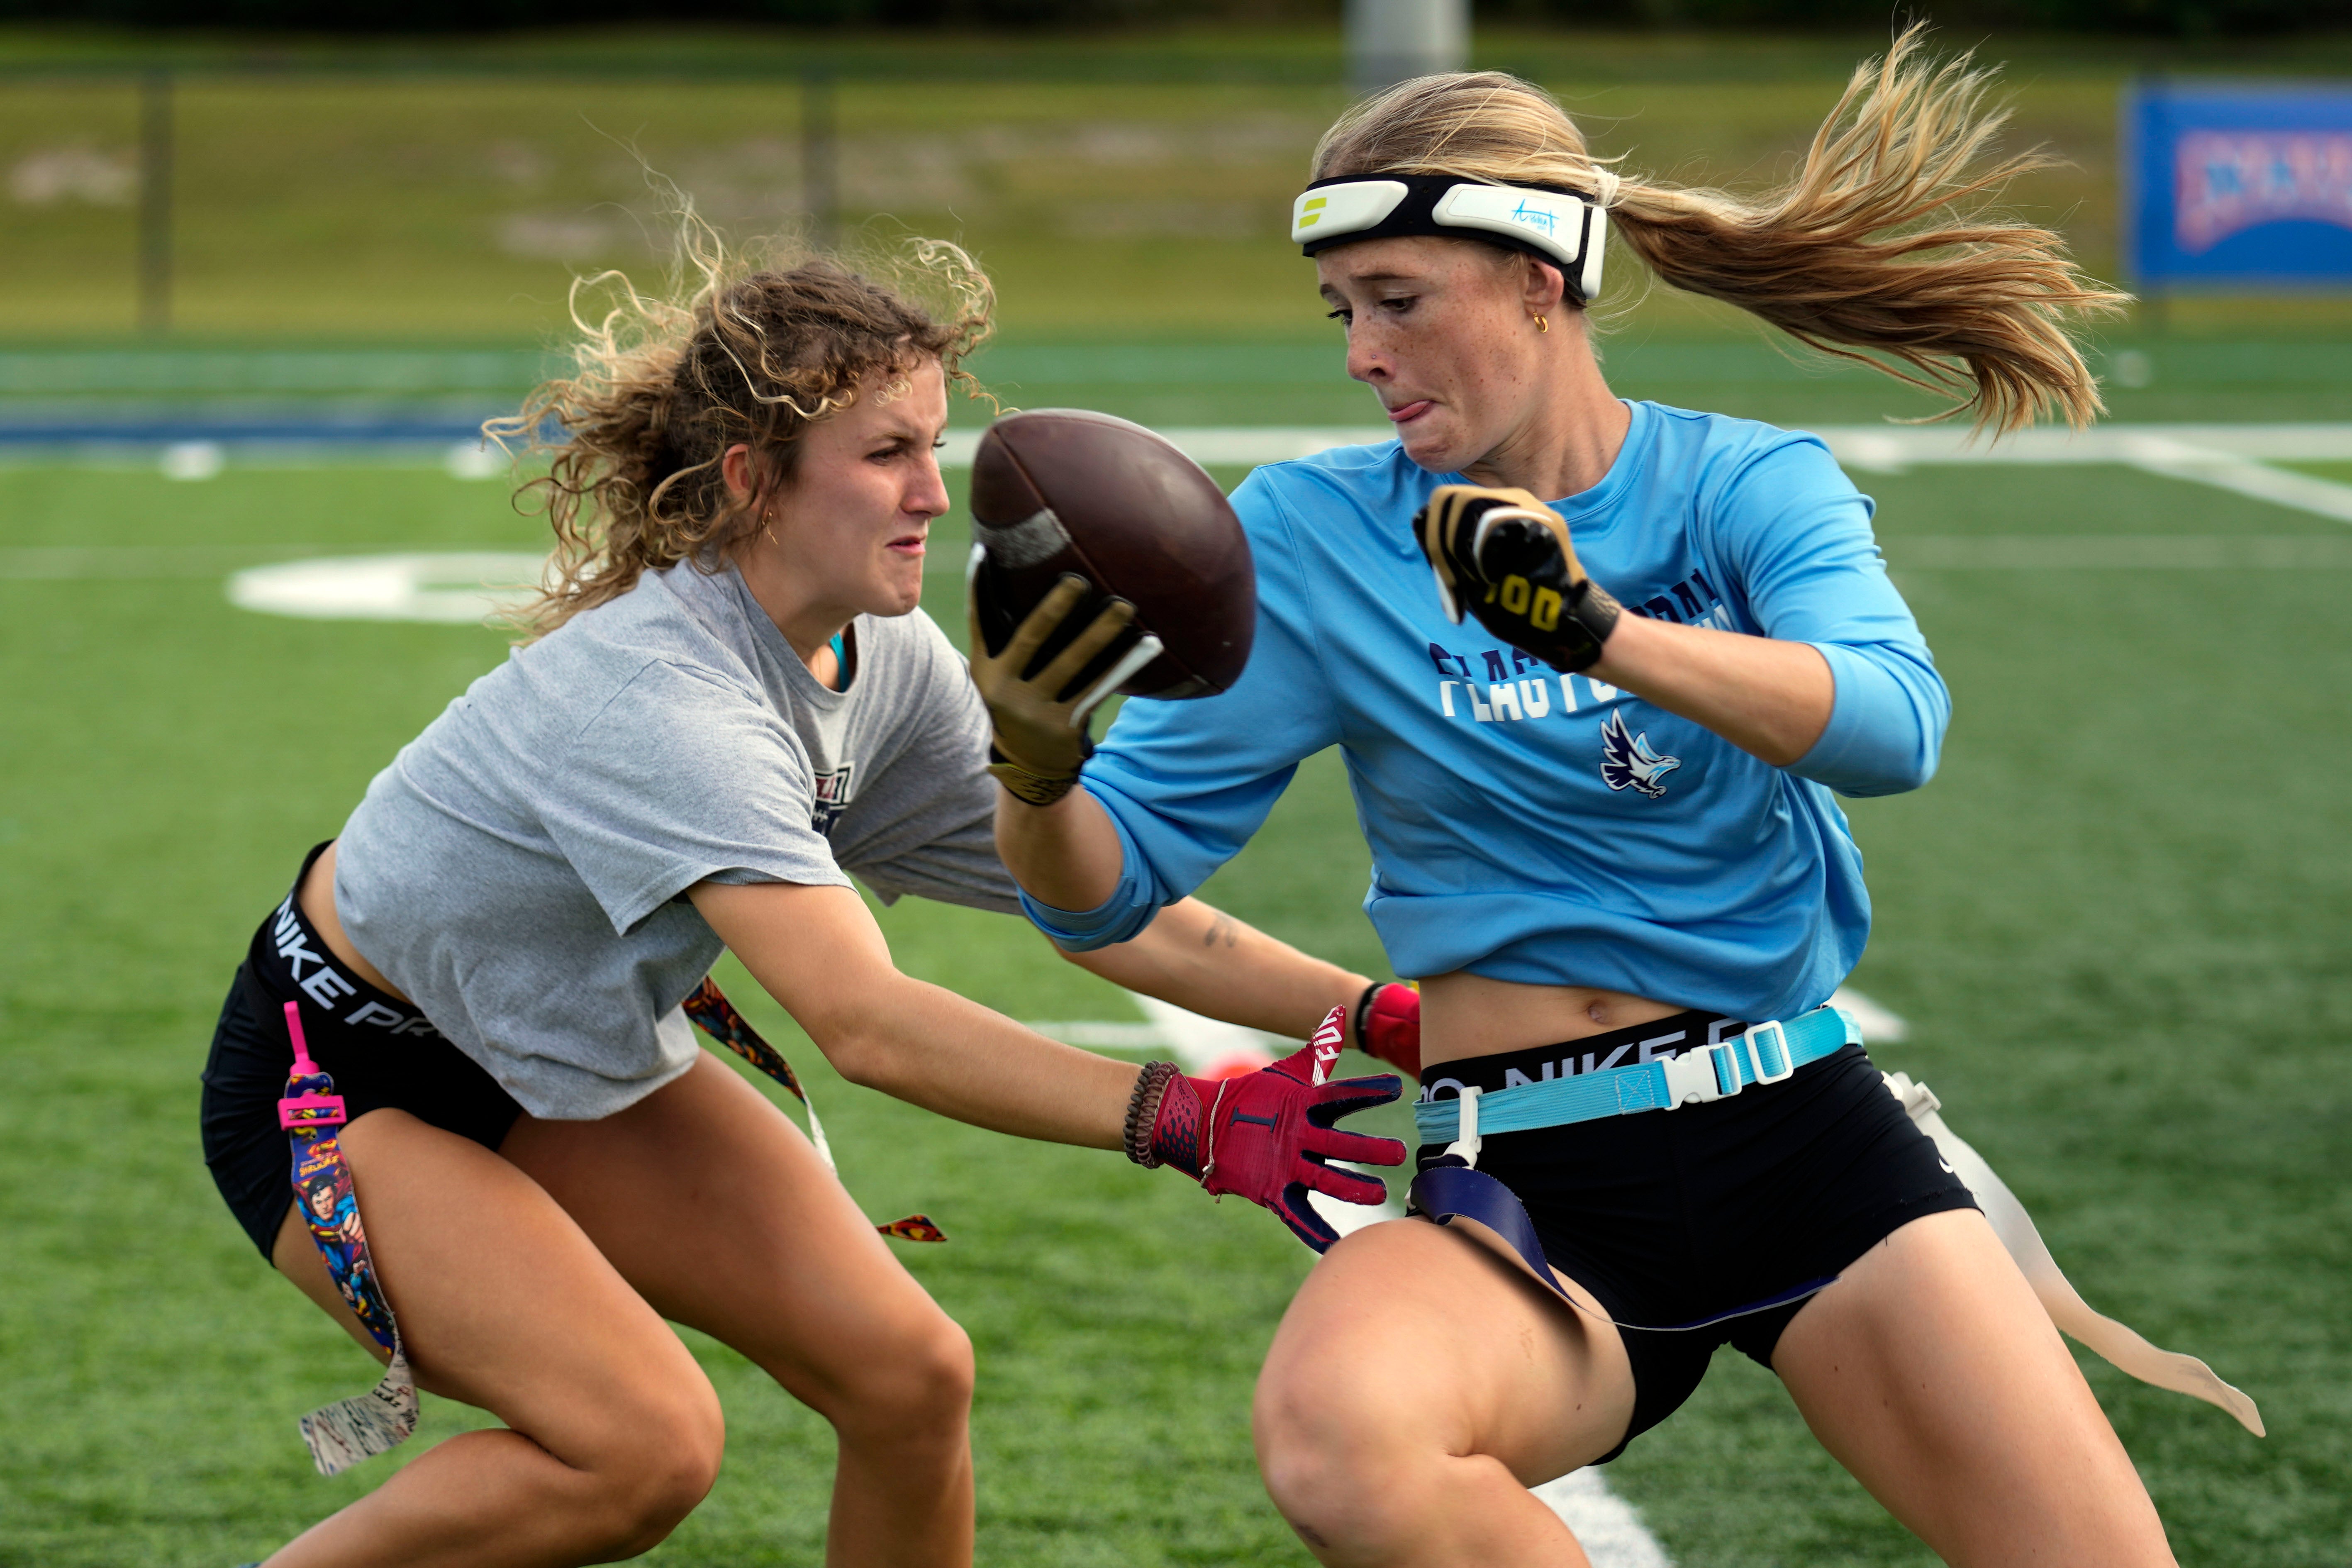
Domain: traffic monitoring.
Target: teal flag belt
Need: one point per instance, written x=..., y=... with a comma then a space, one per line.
x=1766, y=1053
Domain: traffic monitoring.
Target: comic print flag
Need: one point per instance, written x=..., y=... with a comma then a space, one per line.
x=2235, y=185
x=341, y=1434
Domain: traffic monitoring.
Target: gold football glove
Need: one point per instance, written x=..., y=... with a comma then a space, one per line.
x=1507, y=558
x=1040, y=740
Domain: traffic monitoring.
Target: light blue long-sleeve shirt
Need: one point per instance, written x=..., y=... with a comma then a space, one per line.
x=1525, y=824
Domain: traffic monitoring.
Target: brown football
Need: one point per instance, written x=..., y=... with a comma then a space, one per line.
x=1057, y=490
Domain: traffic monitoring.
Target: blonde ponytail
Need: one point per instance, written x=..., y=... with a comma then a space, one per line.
x=1867, y=254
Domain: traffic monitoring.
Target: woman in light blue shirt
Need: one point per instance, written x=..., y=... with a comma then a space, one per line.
x=1598, y=796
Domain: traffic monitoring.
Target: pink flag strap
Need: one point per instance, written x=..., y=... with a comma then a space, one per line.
x=306, y=1109
x=341, y=1434
x=310, y=1110
x=303, y=1066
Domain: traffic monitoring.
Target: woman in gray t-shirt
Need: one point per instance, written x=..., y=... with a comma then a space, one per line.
x=733, y=705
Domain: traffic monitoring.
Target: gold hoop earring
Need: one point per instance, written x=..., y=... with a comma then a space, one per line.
x=1542, y=325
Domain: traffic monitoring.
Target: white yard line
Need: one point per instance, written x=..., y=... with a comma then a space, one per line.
x=2282, y=486
x=332, y=571
x=1609, y=1528
x=1897, y=446
x=2234, y=458
x=1879, y=1025
x=1200, y=1045
x=2228, y=456
x=1910, y=553
x=1219, y=446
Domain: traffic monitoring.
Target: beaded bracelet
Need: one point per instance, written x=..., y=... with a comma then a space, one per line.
x=1143, y=1112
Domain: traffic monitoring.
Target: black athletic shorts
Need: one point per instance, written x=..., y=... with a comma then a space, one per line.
x=381, y=1051
x=1674, y=1216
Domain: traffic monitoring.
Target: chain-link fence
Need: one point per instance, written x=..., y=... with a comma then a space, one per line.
x=360, y=200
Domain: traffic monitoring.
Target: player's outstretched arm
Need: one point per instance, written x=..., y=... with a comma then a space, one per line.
x=1206, y=962
x=818, y=953
x=1266, y=1136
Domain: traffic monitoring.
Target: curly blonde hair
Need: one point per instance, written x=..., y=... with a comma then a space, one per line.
x=744, y=351
x=1866, y=254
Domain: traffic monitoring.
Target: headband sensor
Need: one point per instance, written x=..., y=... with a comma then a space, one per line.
x=1561, y=227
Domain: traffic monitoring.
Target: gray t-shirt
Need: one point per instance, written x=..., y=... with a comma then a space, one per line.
x=518, y=870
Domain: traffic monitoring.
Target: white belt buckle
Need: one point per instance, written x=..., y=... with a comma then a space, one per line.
x=1691, y=1078
x=1768, y=1031
x=1466, y=1142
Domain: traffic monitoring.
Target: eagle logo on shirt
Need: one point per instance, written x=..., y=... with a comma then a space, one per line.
x=1627, y=762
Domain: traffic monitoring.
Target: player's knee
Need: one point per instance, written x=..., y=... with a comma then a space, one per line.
x=916, y=1394
x=1337, y=1467
x=666, y=1466
x=1356, y=1503
x=1306, y=1406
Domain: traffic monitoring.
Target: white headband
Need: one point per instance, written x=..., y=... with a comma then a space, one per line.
x=1564, y=227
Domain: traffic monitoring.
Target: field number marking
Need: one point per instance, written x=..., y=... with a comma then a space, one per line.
x=457, y=588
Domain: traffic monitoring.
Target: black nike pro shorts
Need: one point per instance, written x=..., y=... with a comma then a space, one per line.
x=380, y=1051
x=1674, y=1216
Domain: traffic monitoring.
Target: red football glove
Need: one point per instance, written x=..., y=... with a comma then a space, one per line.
x=1266, y=1134
x=1388, y=1025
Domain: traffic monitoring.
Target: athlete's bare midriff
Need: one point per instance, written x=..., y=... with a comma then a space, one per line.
x=317, y=897
x=1465, y=1015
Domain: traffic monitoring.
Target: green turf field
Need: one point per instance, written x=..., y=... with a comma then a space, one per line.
x=2115, y=922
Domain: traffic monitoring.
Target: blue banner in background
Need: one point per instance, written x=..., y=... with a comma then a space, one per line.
x=2238, y=185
